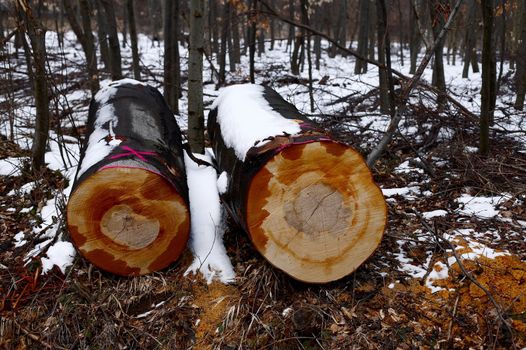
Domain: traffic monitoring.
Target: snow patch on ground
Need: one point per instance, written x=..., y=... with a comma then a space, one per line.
x=207, y=228
x=483, y=207
x=11, y=166
x=434, y=213
x=409, y=193
x=222, y=182
x=246, y=117
x=60, y=254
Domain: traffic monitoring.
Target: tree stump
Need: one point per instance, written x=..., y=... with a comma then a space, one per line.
x=308, y=203
x=128, y=212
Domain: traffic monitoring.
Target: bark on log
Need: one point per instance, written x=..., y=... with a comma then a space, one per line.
x=128, y=213
x=308, y=203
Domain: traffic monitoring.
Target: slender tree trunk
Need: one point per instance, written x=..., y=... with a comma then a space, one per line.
x=415, y=41
x=520, y=75
x=383, y=42
x=272, y=26
x=291, y=36
x=113, y=40
x=168, y=49
x=488, y=94
x=130, y=11
x=363, y=37
x=102, y=33
x=261, y=41
x=401, y=32
x=124, y=25
x=439, y=80
x=195, y=77
x=234, y=19
x=37, y=33
x=470, y=55
x=251, y=37
x=90, y=51
x=224, y=39
x=372, y=29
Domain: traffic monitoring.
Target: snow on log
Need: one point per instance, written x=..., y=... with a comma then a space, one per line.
x=309, y=203
x=128, y=212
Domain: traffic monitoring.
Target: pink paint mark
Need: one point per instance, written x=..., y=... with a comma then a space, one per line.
x=132, y=152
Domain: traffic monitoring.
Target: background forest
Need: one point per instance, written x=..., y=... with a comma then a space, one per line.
x=430, y=92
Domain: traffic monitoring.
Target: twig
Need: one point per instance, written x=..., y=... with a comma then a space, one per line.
x=37, y=338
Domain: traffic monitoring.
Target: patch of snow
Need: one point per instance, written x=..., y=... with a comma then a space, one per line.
x=207, y=226
x=471, y=149
x=434, y=213
x=222, y=182
x=24, y=189
x=19, y=239
x=246, y=117
x=286, y=312
x=483, y=207
x=405, y=168
x=60, y=254
x=407, y=192
x=11, y=166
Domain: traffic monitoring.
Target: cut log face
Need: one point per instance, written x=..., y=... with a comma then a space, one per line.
x=128, y=212
x=128, y=221
x=308, y=203
x=314, y=211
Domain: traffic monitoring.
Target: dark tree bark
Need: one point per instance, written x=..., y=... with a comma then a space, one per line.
x=128, y=212
x=272, y=27
x=234, y=19
x=124, y=25
x=113, y=40
x=102, y=32
x=213, y=14
x=231, y=53
x=415, y=41
x=470, y=54
x=224, y=39
x=292, y=29
x=85, y=37
x=261, y=41
x=520, y=75
x=251, y=37
x=488, y=93
x=37, y=33
x=130, y=11
x=155, y=14
x=196, y=127
x=360, y=66
x=267, y=192
x=438, y=9
x=383, y=43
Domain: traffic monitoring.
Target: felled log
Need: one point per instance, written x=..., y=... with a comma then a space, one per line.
x=128, y=212
x=308, y=203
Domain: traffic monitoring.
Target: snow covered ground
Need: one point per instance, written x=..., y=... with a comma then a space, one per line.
x=207, y=222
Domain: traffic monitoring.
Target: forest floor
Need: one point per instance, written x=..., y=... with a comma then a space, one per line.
x=450, y=271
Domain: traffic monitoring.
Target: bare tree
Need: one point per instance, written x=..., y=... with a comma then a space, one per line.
x=520, y=75
x=36, y=32
x=439, y=9
x=363, y=37
x=113, y=40
x=85, y=37
x=130, y=11
x=488, y=93
x=195, y=77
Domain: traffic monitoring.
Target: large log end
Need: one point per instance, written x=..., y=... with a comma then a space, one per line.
x=315, y=212
x=128, y=221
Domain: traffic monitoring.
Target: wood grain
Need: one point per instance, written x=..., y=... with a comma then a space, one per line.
x=315, y=212
x=128, y=221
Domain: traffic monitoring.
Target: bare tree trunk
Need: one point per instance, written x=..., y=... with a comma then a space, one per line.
x=261, y=41
x=272, y=27
x=235, y=36
x=224, y=39
x=439, y=80
x=102, y=33
x=130, y=11
x=470, y=55
x=291, y=36
x=37, y=33
x=85, y=37
x=488, y=95
x=360, y=66
x=251, y=38
x=520, y=75
x=195, y=77
x=113, y=40
x=124, y=26
x=415, y=41
x=383, y=42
